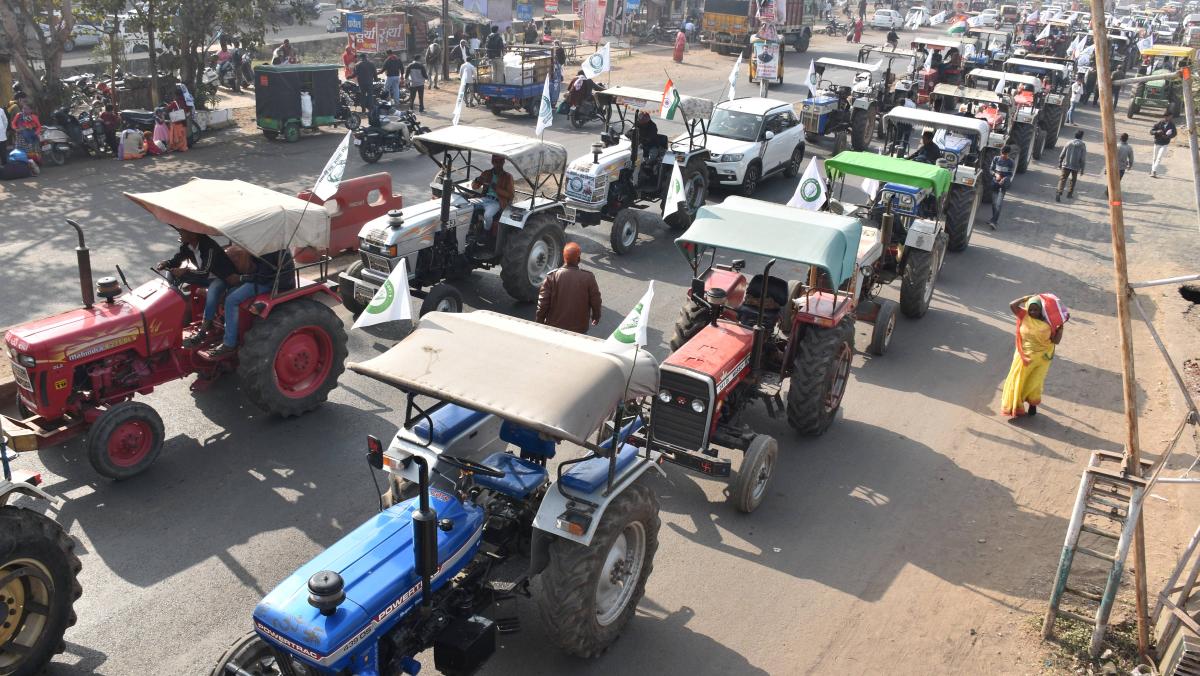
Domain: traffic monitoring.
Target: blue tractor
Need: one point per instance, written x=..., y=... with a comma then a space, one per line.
x=477, y=519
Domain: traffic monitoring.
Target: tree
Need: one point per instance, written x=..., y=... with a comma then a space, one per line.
x=37, y=30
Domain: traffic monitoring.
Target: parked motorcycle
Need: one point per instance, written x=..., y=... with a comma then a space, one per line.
x=835, y=27
x=392, y=135
x=93, y=135
x=222, y=74
x=64, y=136
x=345, y=112
x=588, y=111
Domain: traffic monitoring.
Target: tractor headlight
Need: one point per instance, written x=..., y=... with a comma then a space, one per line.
x=664, y=396
x=698, y=405
x=390, y=251
x=26, y=360
x=907, y=202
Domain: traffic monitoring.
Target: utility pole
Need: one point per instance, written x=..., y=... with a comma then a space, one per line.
x=1116, y=215
x=1189, y=116
x=446, y=41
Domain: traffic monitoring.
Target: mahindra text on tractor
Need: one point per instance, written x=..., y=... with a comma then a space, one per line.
x=78, y=372
x=632, y=165
x=904, y=214
x=1059, y=74
x=737, y=340
x=1029, y=129
x=845, y=103
x=478, y=517
x=39, y=573
x=444, y=239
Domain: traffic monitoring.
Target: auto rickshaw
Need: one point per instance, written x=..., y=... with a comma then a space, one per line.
x=292, y=97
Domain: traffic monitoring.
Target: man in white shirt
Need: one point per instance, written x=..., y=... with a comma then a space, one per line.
x=466, y=73
x=1076, y=96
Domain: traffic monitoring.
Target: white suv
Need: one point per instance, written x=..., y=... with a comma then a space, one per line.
x=752, y=138
x=887, y=18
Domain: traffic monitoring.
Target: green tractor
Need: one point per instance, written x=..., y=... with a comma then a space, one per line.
x=1165, y=94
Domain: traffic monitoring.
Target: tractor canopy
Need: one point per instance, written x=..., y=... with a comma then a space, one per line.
x=887, y=169
x=1172, y=51
x=1008, y=78
x=259, y=220
x=692, y=108
x=775, y=231
x=559, y=383
x=969, y=93
x=1040, y=64
x=920, y=117
x=529, y=156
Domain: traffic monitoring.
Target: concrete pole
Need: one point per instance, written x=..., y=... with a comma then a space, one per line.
x=1189, y=115
x=1116, y=216
x=445, y=36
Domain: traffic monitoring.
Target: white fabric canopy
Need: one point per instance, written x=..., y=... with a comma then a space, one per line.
x=557, y=382
x=693, y=108
x=525, y=153
x=259, y=220
x=929, y=118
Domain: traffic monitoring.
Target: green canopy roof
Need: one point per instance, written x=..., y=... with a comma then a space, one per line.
x=889, y=169
x=777, y=231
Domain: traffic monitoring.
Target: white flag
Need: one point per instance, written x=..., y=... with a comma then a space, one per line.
x=331, y=175
x=546, y=112
x=600, y=62
x=870, y=186
x=1045, y=33
x=810, y=80
x=462, y=99
x=675, y=192
x=810, y=192
x=392, y=302
x=975, y=21
x=632, y=330
x=733, y=76
x=937, y=19
x=1002, y=83
x=1145, y=43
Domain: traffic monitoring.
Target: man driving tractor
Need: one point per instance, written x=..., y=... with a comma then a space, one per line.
x=929, y=152
x=497, y=187
x=210, y=266
x=261, y=279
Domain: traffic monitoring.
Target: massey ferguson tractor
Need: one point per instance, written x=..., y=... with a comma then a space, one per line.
x=738, y=340
x=78, y=372
x=1025, y=95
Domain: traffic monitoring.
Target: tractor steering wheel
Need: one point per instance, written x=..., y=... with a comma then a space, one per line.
x=167, y=277
x=471, y=466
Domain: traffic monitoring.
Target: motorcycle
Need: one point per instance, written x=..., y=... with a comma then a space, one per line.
x=345, y=113
x=64, y=136
x=393, y=134
x=222, y=74
x=93, y=136
x=588, y=111
x=835, y=27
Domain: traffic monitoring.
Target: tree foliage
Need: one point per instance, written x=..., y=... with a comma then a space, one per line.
x=36, y=32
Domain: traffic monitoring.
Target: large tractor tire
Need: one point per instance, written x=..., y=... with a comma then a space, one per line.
x=346, y=290
x=291, y=360
x=959, y=224
x=918, y=281
x=1039, y=142
x=985, y=176
x=819, y=375
x=252, y=655
x=692, y=317
x=862, y=127
x=754, y=475
x=441, y=297
x=1022, y=138
x=530, y=254
x=695, y=188
x=841, y=141
x=624, y=231
x=1054, y=123
x=586, y=595
x=883, y=328
x=125, y=440
x=39, y=583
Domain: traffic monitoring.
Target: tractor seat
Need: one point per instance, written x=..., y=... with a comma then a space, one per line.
x=532, y=445
x=590, y=475
x=521, y=477
x=450, y=421
x=777, y=297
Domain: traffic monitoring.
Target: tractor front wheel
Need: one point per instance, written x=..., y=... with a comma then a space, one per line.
x=291, y=360
x=530, y=254
x=916, y=286
x=587, y=594
x=39, y=583
x=819, y=375
x=252, y=655
x=346, y=289
x=441, y=298
x=624, y=232
x=692, y=317
x=125, y=440
x=753, y=477
x=883, y=328
x=862, y=127
x=959, y=224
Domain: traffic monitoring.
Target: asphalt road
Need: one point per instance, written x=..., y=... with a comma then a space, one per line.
x=918, y=535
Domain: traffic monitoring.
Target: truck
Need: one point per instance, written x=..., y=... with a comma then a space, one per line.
x=728, y=24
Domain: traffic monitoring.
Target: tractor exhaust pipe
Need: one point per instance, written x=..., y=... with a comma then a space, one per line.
x=425, y=551
x=760, y=338
x=84, y=259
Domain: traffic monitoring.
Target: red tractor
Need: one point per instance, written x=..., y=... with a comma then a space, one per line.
x=78, y=371
x=736, y=340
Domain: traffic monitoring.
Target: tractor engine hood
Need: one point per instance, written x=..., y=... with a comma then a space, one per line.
x=420, y=222
x=78, y=334
x=376, y=563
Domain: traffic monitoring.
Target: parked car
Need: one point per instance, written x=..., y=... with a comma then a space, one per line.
x=750, y=138
x=82, y=35
x=887, y=18
x=989, y=17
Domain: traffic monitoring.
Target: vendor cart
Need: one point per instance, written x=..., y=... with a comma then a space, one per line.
x=292, y=97
x=519, y=85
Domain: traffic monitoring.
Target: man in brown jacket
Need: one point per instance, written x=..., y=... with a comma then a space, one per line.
x=498, y=190
x=569, y=297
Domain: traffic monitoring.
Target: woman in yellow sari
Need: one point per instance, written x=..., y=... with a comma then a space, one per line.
x=1036, y=339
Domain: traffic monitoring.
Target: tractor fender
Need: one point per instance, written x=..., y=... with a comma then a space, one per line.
x=263, y=306
x=922, y=234
x=9, y=489
x=967, y=176
x=685, y=156
x=1025, y=116
x=518, y=213
x=555, y=503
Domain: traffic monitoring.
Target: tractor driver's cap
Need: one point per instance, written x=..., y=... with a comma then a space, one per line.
x=571, y=253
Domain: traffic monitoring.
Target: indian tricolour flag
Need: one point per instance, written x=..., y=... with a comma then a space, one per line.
x=670, y=101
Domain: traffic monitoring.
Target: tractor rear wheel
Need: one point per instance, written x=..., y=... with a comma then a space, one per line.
x=692, y=317
x=125, y=440
x=586, y=595
x=862, y=127
x=530, y=254
x=346, y=289
x=916, y=285
x=819, y=375
x=882, y=329
x=841, y=140
x=1039, y=142
x=1022, y=138
x=39, y=583
x=1054, y=119
x=252, y=655
x=959, y=224
x=291, y=360
x=750, y=486
x=695, y=190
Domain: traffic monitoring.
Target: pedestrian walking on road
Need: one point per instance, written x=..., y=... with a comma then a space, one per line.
x=680, y=43
x=416, y=75
x=364, y=75
x=495, y=53
x=1124, y=155
x=1040, y=320
x=1002, y=170
x=858, y=29
x=3, y=137
x=569, y=298
x=1072, y=162
x=1163, y=131
x=1091, y=91
x=433, y=59
x=1076, y=96
x=392, y=68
